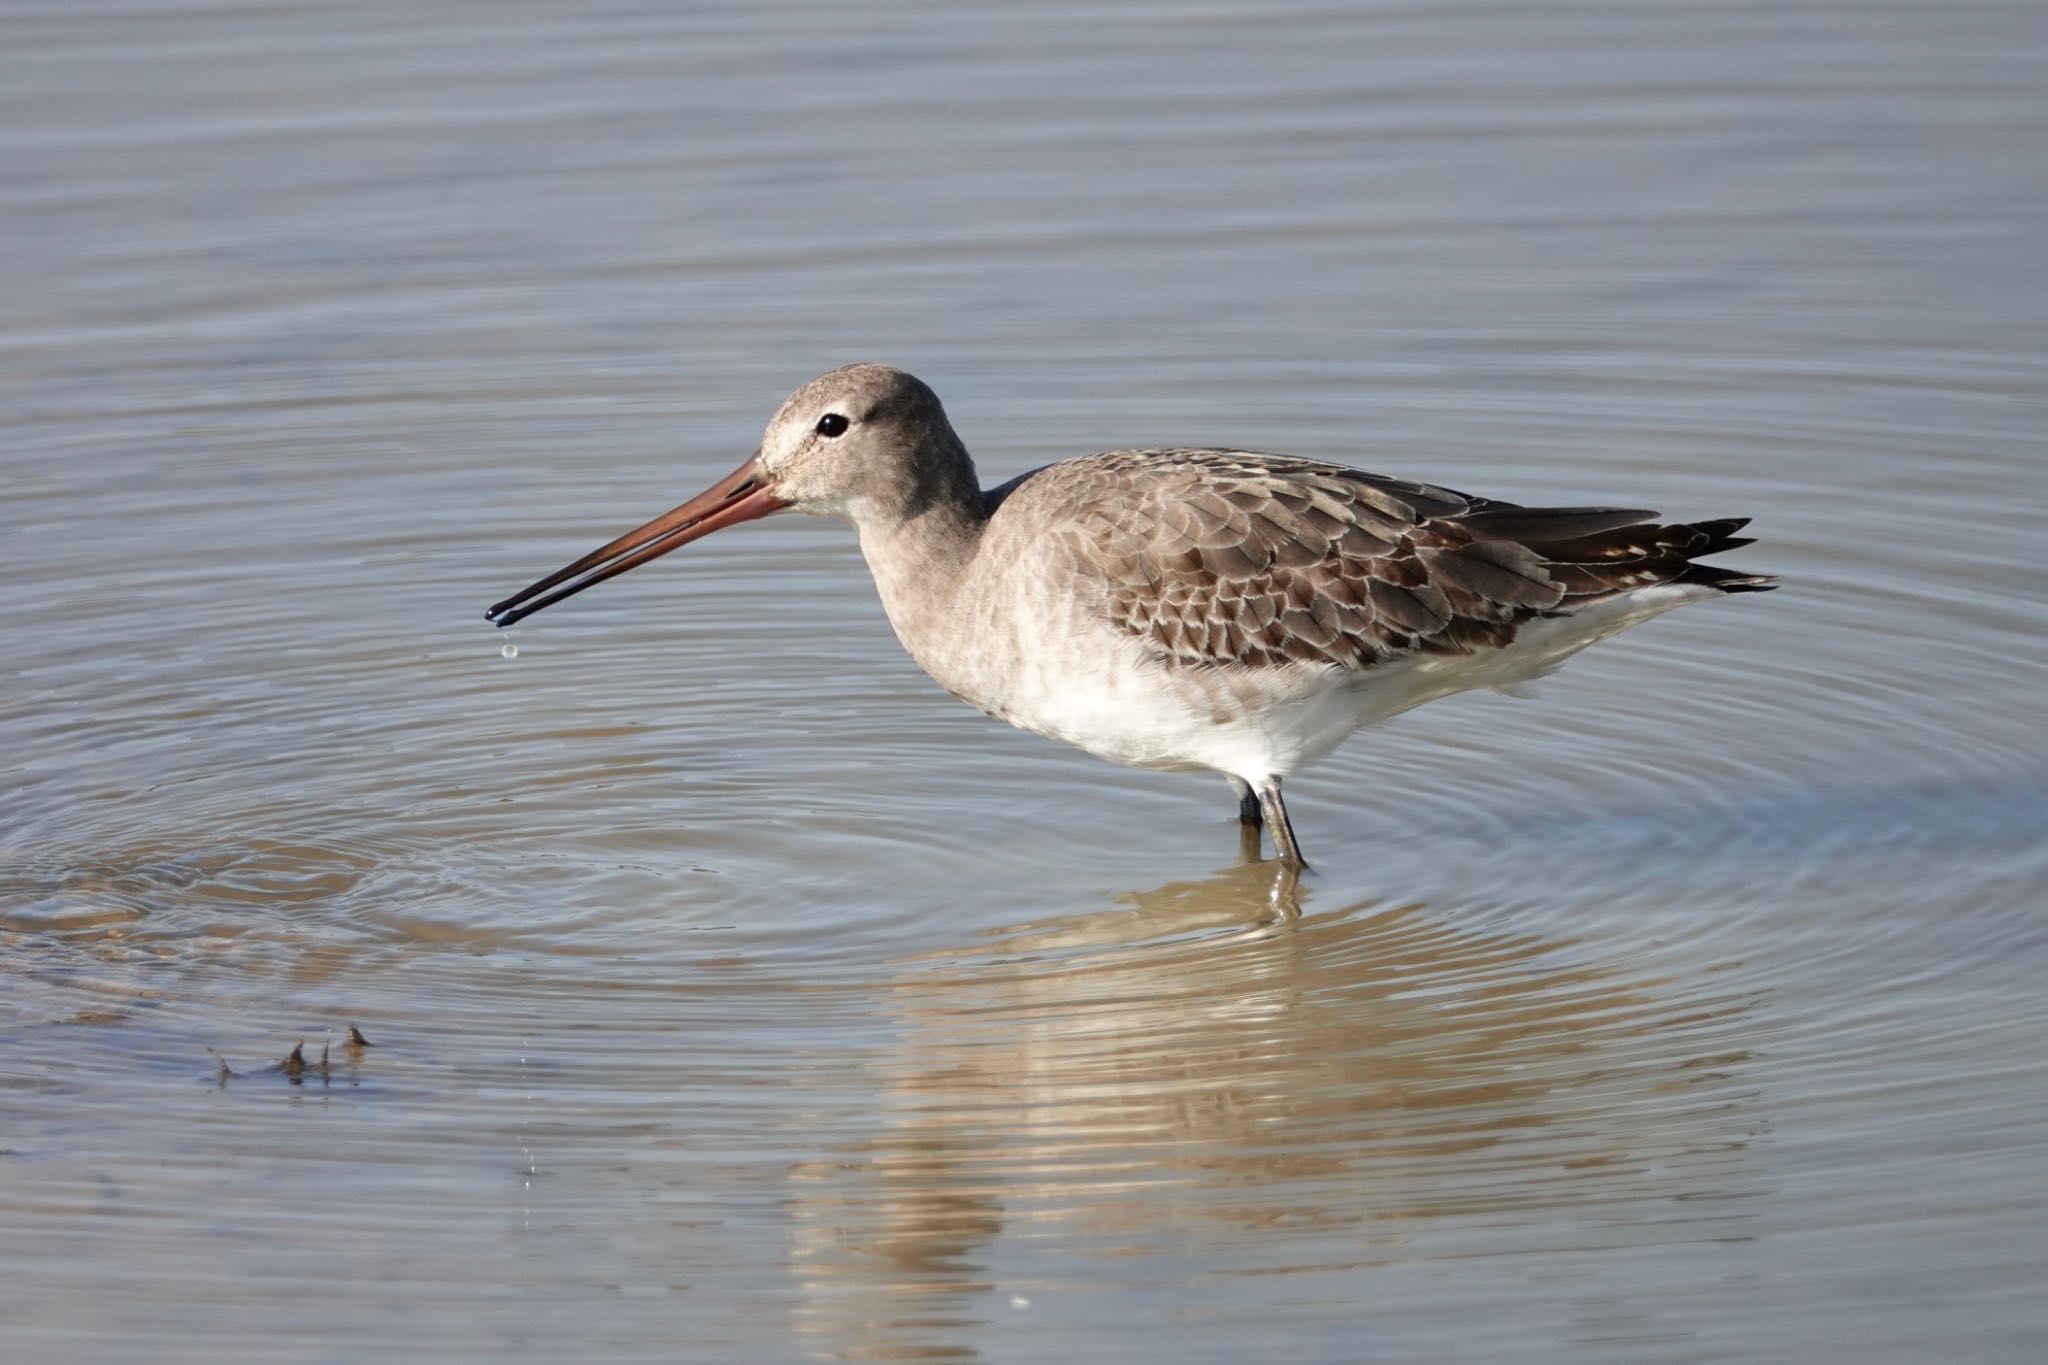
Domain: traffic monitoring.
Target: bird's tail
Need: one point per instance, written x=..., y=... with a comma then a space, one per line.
x=1618, y=559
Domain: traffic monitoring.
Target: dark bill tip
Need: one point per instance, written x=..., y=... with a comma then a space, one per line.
x=741, y=496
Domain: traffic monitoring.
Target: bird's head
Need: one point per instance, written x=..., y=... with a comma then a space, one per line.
x=864, y=442
x=861, y=442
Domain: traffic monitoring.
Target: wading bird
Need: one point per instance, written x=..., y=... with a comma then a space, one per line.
x=1187, y=608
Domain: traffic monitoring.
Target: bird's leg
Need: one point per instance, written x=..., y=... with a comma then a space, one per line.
x=1247, y=803
x=1276, y=820
x=1249, y=820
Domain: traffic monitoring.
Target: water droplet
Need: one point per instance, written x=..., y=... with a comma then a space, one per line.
x=510, y=651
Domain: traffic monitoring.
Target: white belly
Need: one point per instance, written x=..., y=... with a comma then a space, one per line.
x=1103, y=694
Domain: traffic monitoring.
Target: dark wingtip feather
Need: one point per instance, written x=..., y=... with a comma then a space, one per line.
x=1719, y=536
x=1721, y=527
x=1535, y=525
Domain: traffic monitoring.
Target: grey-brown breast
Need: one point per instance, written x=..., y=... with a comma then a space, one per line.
x=1217, y=557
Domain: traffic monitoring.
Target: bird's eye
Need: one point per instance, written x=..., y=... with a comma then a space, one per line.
x=832, y=424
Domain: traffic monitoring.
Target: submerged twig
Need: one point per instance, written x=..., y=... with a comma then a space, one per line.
x=296, y=1066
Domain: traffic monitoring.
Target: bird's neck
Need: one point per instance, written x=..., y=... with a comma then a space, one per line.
x=922, y=561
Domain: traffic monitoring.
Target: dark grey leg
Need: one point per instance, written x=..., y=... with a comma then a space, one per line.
x=1277, y=822
x=1247, y=803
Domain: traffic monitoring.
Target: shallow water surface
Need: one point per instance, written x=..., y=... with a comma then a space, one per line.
x=732, y=992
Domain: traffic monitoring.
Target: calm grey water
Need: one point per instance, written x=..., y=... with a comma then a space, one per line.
x=736, y=994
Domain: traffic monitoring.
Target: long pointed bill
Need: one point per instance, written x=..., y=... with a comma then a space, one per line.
x=740, y=496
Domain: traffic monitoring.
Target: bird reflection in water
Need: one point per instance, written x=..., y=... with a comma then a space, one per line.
x=1199, y=1072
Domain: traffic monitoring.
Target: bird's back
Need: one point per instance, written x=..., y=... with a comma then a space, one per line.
x=1224, y=558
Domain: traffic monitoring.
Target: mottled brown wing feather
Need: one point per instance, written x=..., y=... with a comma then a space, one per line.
x=1217, y=558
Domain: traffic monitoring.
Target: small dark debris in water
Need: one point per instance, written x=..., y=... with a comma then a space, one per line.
x=296, y=1066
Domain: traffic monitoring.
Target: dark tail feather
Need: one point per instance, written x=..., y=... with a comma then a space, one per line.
x=1596, y=561
x=1727, y=580
x=1625, y=544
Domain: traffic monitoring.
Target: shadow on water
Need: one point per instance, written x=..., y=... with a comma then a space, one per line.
x=1189, y=1075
